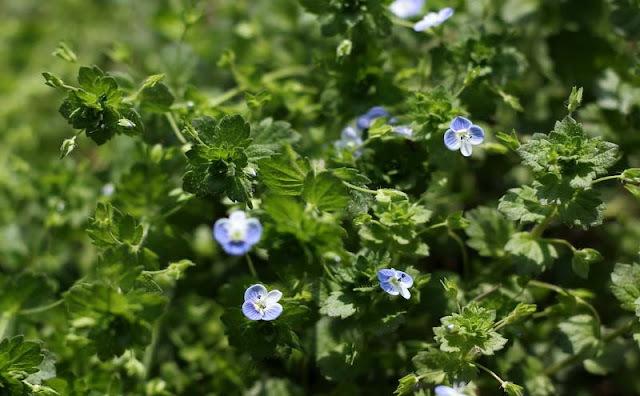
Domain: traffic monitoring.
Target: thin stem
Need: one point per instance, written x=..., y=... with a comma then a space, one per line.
x=285, y=72
x=326, y=269
x=560, y=242
x=539, y=228
x=606, y=178
x=483, y=295
x=432, y=227
x=40, y=309
x=354, y=187
x=490, y=372
x=402, y=22
x=465, y=255
x=174, y=128
x=252, y=269
x=579, y=300
x=459, y=92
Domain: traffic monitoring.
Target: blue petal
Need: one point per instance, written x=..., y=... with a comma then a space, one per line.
x=403, y=130
x=460, y=123
x=236, y=248
x=254, y=292
x=452, y=140
x=221, y=231
x=405, y=279
x=390, y=288
x=445, y=14
x=442, y=390
x=406, y=8
x=466, y=148
x=254, y=231
x=250, y=311
x=364, y=121
x=429, y=20
x=272, y=312
x=476, y=135
x=385, y=274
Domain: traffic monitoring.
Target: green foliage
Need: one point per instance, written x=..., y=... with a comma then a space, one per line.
x=583, y=259
x=488, y=231
x=626, y=285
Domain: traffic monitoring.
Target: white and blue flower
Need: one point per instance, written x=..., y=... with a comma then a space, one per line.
x=260, y=304
x=457, y=389
x=350, y=139
x=395, y=282
x=463, y=135
x=433, y=19
x=238, y=233
x=406, y=8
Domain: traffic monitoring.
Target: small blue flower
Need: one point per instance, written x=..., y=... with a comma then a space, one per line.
x=350, y=139
x=395, y=282
x=406, y=8
x=433, y=19
x=365, y=120
x=260, y=305
x=457, y=389
x=462, y=135
x=238, y=233
x=403, y=130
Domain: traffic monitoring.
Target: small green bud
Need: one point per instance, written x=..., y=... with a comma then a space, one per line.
x=406, y=384
x=227, y=60
x=63, y=52
x=52, y=80
x=512, y=389
x=582, y=260
x=125, y=123
x=344, y=48
x=68, y=145
x=509, y=140
x=450, y=289
x=631, y=175
x=574, y=99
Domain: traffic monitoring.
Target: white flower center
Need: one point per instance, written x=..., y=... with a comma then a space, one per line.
x=463, y=134
x=237, y=230
x=260, y=305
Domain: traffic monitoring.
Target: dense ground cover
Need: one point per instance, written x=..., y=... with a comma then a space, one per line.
x=320, y=197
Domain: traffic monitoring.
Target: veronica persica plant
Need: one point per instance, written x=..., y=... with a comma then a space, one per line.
x=260, y=304
x=406, y=8
x=238, y=233
x=395, y=282
x=463, y=135
x=433, y=19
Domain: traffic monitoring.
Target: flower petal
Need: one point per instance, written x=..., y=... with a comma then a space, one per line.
x=273, y=297
x=221, y=231
x=272, y=311
x=406, y=8
x=390, y=288
x=385, y=274
x=364, y=121
x=442, y=390
x=249, y=310
x=445, y=14
x=404, y=292
x=476, y=135
x=405, y=279
x=236, y=248
x=460, y=123
x=466, y=148
x=403, y=130
x=254, y=231
x=237, y=216
x=254, y=292
x=452, y=140
x=429, y=20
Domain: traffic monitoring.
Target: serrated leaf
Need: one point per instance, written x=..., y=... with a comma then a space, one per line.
x=583, y=259
x=338, y=305
x=325, y=192
x=529, y=254
x=581, y=331
x=488, y=231
x=283, y=174
x=626, y=285
x=156, y=97
x=521, y=204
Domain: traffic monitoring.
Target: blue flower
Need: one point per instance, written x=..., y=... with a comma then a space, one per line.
x=395, y=282
x=403, y=130
x=462, y=135
x=365, y=120
x=433, y=19
x=443, y=390
x=406, y=8
x=350, y=139
x=238, y=233
x=260, y=305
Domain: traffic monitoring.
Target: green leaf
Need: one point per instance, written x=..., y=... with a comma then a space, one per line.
x=584, y=210
x=284, y=174
x=583, y=259
x=325, y=192
x=257, y=101
x=488, y=231
x=470, y=330
x=68, y=145
x=18, y=355
x=521, y=204
x=512, y=389
x=406, y=385
x=634, y=190
x=509, y=140
x=529, y=254
x=64, y=52
x=626, y=285
x=581, y=331
x=156, y=97
x=575, y=99
x=274, y=135
x=455, y=221
x=338, y=305
x=631, y=175
x=109, y=227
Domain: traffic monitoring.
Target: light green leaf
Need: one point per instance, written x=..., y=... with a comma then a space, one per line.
x=583, y=259
x=325, y=192
x=338, y=305
x=626, y=285
x=529, y=254
x=488, y=231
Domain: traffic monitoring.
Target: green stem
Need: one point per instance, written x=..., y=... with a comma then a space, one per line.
x=465, y=255
x=483, y=295
x=559, y=242
x=432, y=227
x=490, y=372
x=174, y=128
x=579, y=300
x=459, y=92
x=402, y=22
x=40, y=309
x=252, y=269
x=354, y=187
x=326, y=269
x=539, y=228
x=606, y=178
x=5, y=319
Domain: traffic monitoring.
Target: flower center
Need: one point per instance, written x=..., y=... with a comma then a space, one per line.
x=464, y=133
x=260, y=305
